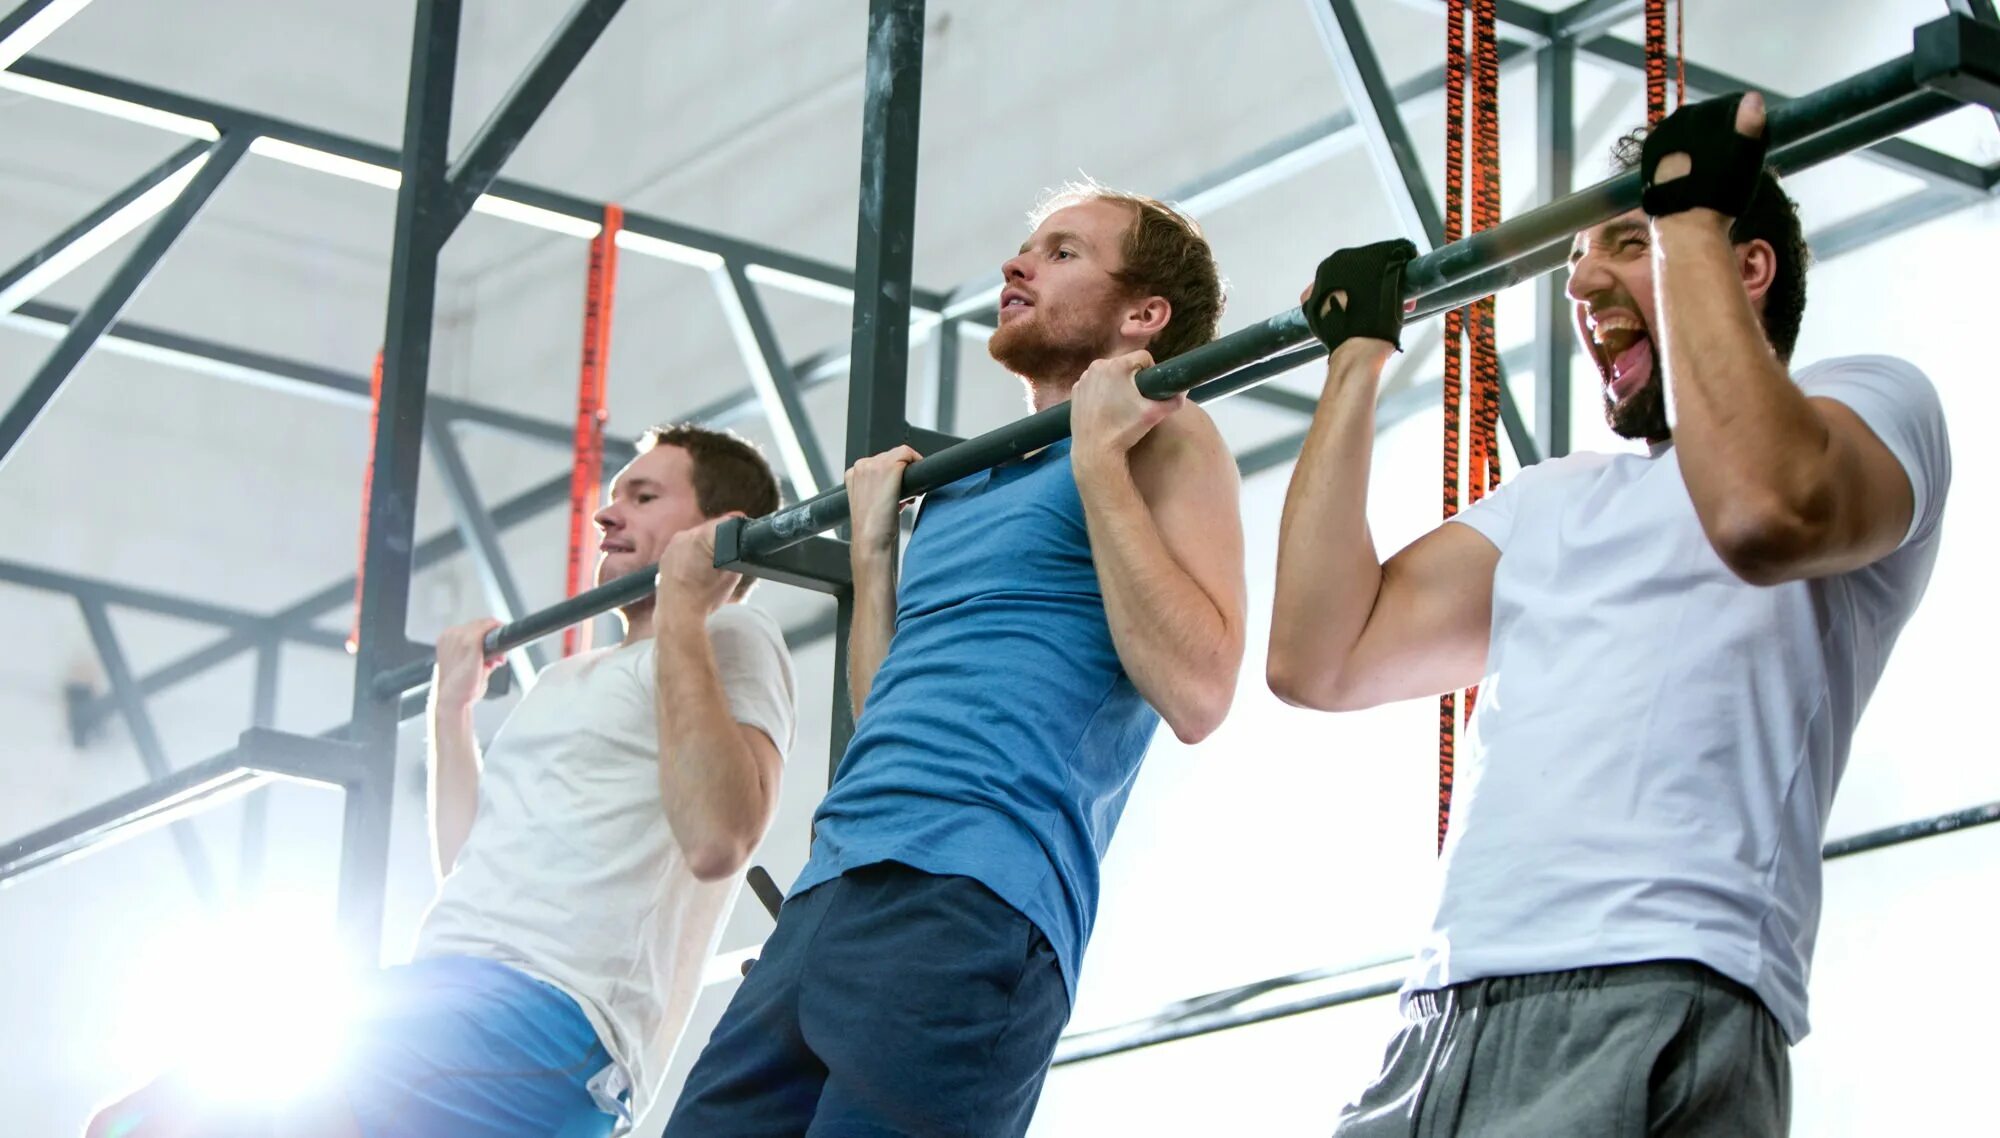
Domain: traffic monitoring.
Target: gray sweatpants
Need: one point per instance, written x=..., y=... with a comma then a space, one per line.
x=1660, y=1048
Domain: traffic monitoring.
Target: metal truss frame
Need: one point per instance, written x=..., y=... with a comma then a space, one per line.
x=437, y=191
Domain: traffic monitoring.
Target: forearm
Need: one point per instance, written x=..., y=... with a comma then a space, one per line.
x=716, y=795
x=1752, y=449
x=1329, y=573
x=874, y=621
x=453, y=787
x=1176, y=642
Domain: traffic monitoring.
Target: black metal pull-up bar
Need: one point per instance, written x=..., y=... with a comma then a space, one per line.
x=1952, y=59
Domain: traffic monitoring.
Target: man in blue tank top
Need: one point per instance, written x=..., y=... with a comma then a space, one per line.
x=1051, y=612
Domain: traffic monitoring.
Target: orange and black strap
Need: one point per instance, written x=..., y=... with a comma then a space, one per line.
x=1454, y=338
x=367, y=491
x=1656, y=61
x=586, y=477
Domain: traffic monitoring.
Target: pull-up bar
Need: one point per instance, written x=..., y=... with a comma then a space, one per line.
x=1953, y=59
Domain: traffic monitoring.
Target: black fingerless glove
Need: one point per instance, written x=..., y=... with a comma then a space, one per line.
x=1372, y=277
x=1724, y=164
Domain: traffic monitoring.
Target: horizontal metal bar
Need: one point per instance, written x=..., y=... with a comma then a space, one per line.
x=782, y=269
x=1916, y=208
x=1960, y=57
x=1912, y=831
x=31, y=22
x=923, y=440
x=178, y=795
x=1219, y=1011
x=1249, y=355
x=183, y=608
x=1896, y=153
x=822, y=564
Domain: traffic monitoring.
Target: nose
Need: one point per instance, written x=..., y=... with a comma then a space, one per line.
x=1015, y=268
x=1587, y=274
x=607, y=518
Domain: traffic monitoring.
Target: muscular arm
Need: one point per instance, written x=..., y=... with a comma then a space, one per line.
x=1786, y=487
x=1347, y=631
x=1167, y=538
x=718, y=778
x=874, y=621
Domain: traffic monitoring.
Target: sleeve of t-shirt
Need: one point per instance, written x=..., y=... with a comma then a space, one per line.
x=1492, y=517
x=1901, y=407
x=755, y=668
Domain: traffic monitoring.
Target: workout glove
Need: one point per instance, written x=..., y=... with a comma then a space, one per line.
x=1724, y=164
x=1372, y=277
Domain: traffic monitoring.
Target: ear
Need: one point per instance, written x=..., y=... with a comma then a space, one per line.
x=1757, y=265
x=1147, y=317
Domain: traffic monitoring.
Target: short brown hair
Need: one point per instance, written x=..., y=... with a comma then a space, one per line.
x=1165, y=255
x=728, y=471
x=1772, y=216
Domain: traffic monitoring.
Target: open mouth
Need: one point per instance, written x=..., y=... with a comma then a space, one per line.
x=1014, y=301
x=1623, y=350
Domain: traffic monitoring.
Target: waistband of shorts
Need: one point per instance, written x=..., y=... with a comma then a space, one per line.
x=1493, y=990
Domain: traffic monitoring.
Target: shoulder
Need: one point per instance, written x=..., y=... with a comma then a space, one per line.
x=1186, y=442
x=1885, y=375
x=745, y=622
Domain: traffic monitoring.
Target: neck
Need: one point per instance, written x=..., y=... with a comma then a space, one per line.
x=638, y=621
x=1046, y=393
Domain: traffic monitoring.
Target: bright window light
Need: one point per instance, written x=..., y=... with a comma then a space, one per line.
x=29, y=36
x=105, y=105
x=387, y=177
x=647, y=246
x=249, y=1008
x=536, y=216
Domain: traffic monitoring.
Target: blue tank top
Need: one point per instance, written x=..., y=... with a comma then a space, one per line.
x=1002, y=736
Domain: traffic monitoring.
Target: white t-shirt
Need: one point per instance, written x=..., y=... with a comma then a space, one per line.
x=1658, y=742
x=571, y=873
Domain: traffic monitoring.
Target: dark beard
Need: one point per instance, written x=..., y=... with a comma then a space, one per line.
x=1644, y=416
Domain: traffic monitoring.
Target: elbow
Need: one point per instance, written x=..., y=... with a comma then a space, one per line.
x=1765, y=544
x=1202, y=710
x=1301, y=683
x=718, y=860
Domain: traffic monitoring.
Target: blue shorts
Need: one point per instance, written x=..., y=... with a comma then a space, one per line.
x=473, y=1049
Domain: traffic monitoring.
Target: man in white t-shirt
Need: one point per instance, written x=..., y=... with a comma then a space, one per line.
x=588, y=858
x=1672, y=650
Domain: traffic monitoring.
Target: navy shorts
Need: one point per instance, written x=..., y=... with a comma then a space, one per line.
x=888, y=1002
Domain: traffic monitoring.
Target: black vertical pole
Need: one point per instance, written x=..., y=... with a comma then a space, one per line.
x=878, y=383
x=422, y=225
x=1555, y=343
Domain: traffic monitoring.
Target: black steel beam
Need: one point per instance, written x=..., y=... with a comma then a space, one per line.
x=943, y=375
x=1588, y=18
x=1912, y=831
x=482, y=542
x=1898, y=154
x=117, y=292
x=1555, y=342
x=95, y=591
x=1961, y=57
x=250, y=838
x=423, y=222
x=1978, y=10
x=31, y=22
x=878, y=380
x=120, y=214
x=516, y=115
x=820, y=565
x=777, y=390
x=128, y=815
x=146, y=740
x=1374, y=105
x=785, y=269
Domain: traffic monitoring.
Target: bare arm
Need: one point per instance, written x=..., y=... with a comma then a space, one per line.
x=1786, y=487
x=1347, y=631
x=718, y=778
x=453, y=789
x=1167, y=538
x=873, y=488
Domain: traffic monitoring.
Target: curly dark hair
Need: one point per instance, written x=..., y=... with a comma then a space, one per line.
x=1773, y=217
